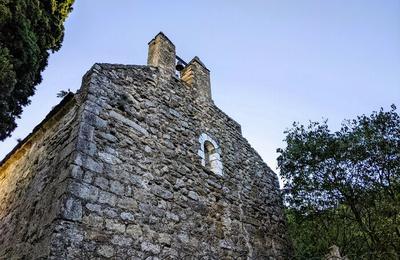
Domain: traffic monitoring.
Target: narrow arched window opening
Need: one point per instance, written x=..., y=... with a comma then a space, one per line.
x=209, y=150
x=210, y=154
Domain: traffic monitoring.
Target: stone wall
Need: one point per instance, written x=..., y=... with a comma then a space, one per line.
x=32, y=183
x=116, y=173
x=139, y=189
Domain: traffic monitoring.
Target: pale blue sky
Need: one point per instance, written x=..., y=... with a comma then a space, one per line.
x=271, y=62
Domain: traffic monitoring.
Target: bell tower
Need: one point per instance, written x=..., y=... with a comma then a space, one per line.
x=162, y=54
x=196, y=75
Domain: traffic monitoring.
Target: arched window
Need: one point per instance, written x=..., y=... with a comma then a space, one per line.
x=210, y=154
x=209, y=151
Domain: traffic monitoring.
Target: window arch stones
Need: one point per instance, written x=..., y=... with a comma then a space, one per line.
x=210, y=154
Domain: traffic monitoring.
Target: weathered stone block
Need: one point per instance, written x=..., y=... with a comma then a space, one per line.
x=84, y=191
x=127, y=203
x=114, y=225
x=149, y=247
x=106, y=251
x=107, y=198
x=73, y=209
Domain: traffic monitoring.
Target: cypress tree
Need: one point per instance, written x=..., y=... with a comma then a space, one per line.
x=29, y=30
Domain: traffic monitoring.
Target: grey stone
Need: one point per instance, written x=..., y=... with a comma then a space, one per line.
x=101, y=182
x=93, y=221
x=84, y=191
x=94, y=207
x=127, y=216
x=128, y=203
x=163, y=193
x=183, y=237
x=110, y=213
x=172, y=216
x=149, y=247
x=128, y=122
x=88, y=177
x=76, y=172
x=73, y=209
x=106, y=251
x=117, y=187
x=121, y=240
x=134, y=230
x=193, y=195
x=86, y=131
x=109, y=137
x=147, y=149
x=164, y=239
x=108, y=158
x=107, y=198
x=92, y=165
x=114, y=225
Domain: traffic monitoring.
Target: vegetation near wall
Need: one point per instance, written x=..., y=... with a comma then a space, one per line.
x=343, y=187
x=29, y=29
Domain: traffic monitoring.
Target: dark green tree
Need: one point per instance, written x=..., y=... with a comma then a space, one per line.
x=343, y=187
x=29, y=29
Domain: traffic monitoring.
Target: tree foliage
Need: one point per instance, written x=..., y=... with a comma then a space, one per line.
x=343, y=187
x=29, y=29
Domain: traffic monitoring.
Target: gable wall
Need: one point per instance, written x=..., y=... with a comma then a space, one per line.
x=139, y=189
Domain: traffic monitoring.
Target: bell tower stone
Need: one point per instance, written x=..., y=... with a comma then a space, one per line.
x=162, y=54
x=196, y=75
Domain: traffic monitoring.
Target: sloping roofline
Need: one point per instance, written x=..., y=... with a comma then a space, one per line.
x=54, y=111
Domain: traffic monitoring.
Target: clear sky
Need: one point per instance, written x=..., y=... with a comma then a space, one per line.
x=272, y=62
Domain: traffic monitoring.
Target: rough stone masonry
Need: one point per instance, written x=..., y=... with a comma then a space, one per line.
x=140, y=164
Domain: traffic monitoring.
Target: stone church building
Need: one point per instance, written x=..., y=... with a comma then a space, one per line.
x=140, y=164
